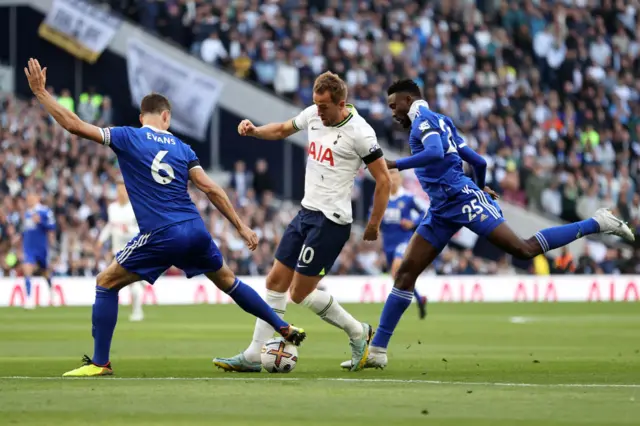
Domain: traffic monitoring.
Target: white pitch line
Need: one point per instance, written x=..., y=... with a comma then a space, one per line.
x=337, y=379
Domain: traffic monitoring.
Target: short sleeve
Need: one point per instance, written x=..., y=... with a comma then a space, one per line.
x=115, y=137
x=301, y=121
x=192, y=159
x=425, y=129
x=366, y=145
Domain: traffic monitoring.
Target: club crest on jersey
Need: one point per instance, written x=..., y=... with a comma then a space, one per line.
x=424, y=125
x=401, y=204
x=321, y=154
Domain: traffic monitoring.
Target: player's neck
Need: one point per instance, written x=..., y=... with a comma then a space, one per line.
x=344, y=114
x=415, y=105
x=154, y=124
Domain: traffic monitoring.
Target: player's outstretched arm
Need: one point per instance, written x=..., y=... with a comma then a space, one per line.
x=380, y=173
x=37, y=77
x=433, y=151
x=219, y=199
x=271, y=131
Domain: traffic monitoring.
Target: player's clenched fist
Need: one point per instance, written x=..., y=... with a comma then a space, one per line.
x=371, y=232
x=246, y=128
x=250, y=238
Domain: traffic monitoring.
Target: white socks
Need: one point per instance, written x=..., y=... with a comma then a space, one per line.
x=329, y=310
x=137, y=290
x=263, y=331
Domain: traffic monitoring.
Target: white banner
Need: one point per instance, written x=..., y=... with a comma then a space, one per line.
x=7, y=83
x=193, y=95
x=356, y=289
x=84, y=30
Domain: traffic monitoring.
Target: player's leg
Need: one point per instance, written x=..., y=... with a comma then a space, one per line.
x=278, y=283
x=137, y=292
x=143, y=258
x=28, y=268
x=251, y=302
x=557, y=236
x=427, y=242
x=104, y=318
x=421, y=301
x=200, y=255
x=43, y=264
x=322, y=246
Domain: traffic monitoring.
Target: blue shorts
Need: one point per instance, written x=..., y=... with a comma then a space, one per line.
x=395, y=253
x=38, y=258
x=471, y=208
x=186, y=245
x=312, y=243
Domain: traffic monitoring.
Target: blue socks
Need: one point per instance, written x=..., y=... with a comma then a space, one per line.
x=416, y=294
x=27, y=285
x=397, y=302
x=251, y=302
x=103, y=318
x=558, y=236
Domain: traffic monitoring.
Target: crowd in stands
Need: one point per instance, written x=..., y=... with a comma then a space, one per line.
x=543, y=89
x=76, y=178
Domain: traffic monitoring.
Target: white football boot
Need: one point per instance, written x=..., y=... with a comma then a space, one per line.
x=374, y=360
x=609, y=224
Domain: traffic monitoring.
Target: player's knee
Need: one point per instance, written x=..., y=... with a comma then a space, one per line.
x=276, y=282
x=405, y=279
x=105, y=280
x=526, y=249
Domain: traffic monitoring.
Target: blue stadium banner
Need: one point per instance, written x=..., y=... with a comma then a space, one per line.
x=80, y=28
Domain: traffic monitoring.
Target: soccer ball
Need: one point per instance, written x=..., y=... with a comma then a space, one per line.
x=279, y=356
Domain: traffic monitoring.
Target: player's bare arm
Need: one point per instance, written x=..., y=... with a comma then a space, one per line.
x=380, y=173
x=37, y=77
x=271, y=131
x=221, y=201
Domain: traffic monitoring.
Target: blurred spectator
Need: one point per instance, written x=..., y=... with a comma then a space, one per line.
x=261, y=179
x=241, y=179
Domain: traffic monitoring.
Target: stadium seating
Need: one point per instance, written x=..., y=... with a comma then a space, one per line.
x=545, y=92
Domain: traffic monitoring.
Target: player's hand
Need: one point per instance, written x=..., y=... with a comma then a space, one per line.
x=407, y=224
x=391, y=164
x=371, y=232
x=36, y=218
x=494, y=195
x=36, y=75
x=246, y=128
x=250, y=238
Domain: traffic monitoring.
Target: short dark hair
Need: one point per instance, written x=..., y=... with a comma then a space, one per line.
x=154, y=103
x=332, y=83
x=404, y=86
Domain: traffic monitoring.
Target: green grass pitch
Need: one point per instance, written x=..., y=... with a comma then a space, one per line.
x=467, y=364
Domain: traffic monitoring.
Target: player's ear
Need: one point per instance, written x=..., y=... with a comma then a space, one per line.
x=166, y=115
x=342, y=103
x=140, y=118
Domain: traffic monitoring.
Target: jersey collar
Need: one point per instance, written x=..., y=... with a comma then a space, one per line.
x=415, y=106
x=157, y=130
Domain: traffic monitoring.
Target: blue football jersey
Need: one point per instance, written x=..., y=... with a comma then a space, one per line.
x=401, y=206
x=445, y=177
x=155, y=167
x=35, y=232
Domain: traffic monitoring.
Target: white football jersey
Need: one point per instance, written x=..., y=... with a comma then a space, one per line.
x=336, y=153
x=121, y=226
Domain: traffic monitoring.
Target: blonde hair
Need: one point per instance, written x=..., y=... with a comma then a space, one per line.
x=332, y=83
